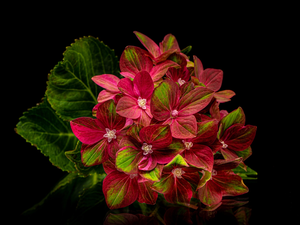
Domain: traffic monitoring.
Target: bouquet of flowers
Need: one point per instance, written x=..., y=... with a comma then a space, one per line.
x=154, y=127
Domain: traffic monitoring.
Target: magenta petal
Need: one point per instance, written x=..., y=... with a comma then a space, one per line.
x=159, y=136
x=128, y=107
x=148, y=43
x=169, y=42
x=126, y=87
x=148, y=162
x=184, y=127
x=106, y=95
x=143, y=85
x=87, y=130
x=212, y=78
x=160, y=69
x=198, y=67
x=127, y=74
x=210, y=193
x=120, y=190
x=107, y=81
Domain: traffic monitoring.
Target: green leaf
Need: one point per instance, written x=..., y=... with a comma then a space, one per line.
x=75, y=157
x=43, y=128
x=250, y=174
x=71, y=91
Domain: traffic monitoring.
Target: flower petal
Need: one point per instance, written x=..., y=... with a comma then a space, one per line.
x=212, y=78
x=148, y=43
x=200, y=156
x=184, y=127
x=148, y=162
x=206, y=132
x=87, y=130
x=169, y=42
x=198, y=67
x=128, y=158
x=146, y=194
x=165, y=97
x=224, y=96
x=165, y=184
x=94, y=154
x=153, y=175
x=134, y=60
x=210, y=193
x=159, y=70
x=159, y=136
x=143, y=85
x=107, y=81
x=119, y=190
x=126, y=87
x=128, y=107
x=194, y=101
x=106, y=95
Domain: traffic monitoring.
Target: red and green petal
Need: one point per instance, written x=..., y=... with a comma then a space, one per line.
x=194, y=101
x=147, y=162
x=146, y=194
x=165, y=184
x=165, y=97
x=177, y=161
x=181, y=192
x=198, y=67
x=153, y=175
x=106, y=95
x=169, y=42
x=239, y=137
x=134, y=60
x=159, y=70
x=159, y=136
x=94, y=154
x=200, y=156
x=210, y=193
x=107, y=115
x=107, y=81
x=128, y=158
x=87, y=130
x=224, y=95
x=220, y=164
x=212, y=78
x=235, y=117
x=184, y=127
x=231, y=184
x=143, y=85
x=206, y=132
x=128, y=107
x=148, y=43
x=120, y=190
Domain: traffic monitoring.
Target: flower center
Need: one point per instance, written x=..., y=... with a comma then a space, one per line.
x=178, y=172
x=142, y=102
x=213, y=173
x=187, y=144
x=110, y=134
x=181, y=82
x=174, y=113
x=147, y=149
x=224, y=145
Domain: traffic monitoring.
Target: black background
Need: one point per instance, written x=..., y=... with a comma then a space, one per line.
x=233, y=38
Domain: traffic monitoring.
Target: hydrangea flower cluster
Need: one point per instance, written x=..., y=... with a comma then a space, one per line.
x=160, y=130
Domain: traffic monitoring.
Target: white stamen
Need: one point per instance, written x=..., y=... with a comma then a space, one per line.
x=174, y=113
x=142, y=102
x=224, y=145
x=110, y=134
x=147, y=149
x=187, y=144
x=181, y=82
x=178, y=172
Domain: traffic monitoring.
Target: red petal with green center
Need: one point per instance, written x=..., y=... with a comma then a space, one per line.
x=107, y=81
x=134, y=132
x=165, y=155
x=198, y=67
x=230, y=155
x=207, y=132
x=177, y=161
x=95, y=154
x=235, y=117
x=128, y=158
x=239, y=137
x=107, y=115
x=212, y=78
x=221, y=164
x=181, y=192
x=200, y=156
x=231, y=184
x=128, y=107
x=148, y=43
x=184, y=127
x=165, y=97
x=169, y=42
x=146, y=194
x=210, y=193
x=87, y=130
x=143, y=85
x=224, y=96
x=119, y=190
x=206, y=175
x=134, y=60
x=159, y=136
x=153, y=175
x=148, y=162
x=126, y=87
x=165, y=184
x=161, y=69
x=194, y=101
